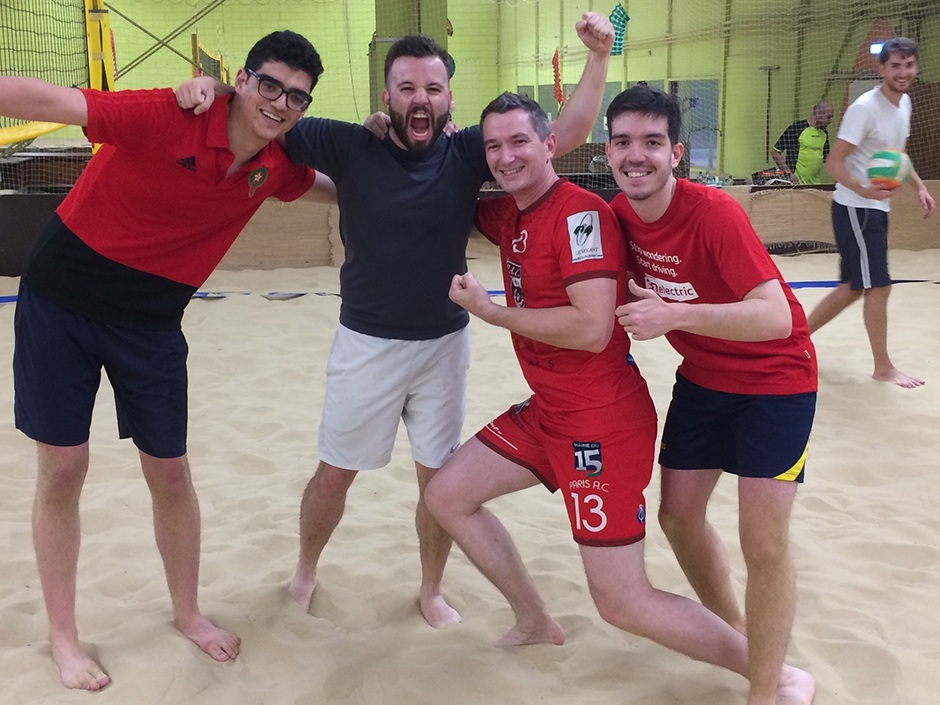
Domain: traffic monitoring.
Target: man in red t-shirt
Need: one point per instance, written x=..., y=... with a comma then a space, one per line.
x=105, y=285
x=745, y=391
x=589, y=427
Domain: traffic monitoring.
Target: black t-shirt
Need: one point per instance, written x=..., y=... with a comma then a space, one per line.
x=404, y=222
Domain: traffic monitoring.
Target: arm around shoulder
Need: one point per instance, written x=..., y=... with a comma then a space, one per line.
x=200, y=92
x=322, y=190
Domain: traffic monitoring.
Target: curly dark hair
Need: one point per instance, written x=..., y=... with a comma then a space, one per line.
x=288, y=48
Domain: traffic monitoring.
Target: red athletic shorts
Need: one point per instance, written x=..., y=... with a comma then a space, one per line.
x=602, y=473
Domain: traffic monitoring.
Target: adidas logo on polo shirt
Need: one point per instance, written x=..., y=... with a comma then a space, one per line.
x=187, y=163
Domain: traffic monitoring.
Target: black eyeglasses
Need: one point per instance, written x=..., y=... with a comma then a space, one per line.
x=272, y=89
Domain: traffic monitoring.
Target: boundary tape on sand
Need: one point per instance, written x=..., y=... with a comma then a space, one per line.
x=288, y=295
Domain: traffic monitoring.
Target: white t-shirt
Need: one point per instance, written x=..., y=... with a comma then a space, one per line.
x=872, y=123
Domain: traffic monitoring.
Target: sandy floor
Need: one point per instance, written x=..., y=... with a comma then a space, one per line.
x=866, y=533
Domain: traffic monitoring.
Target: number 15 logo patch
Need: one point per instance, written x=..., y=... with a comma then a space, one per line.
x=587, y=457
x=584, y=234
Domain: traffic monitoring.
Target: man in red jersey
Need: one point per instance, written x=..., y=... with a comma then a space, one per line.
x=745, y=391
x=105, y=285
x=589, y=427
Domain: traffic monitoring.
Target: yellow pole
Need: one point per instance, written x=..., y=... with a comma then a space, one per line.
x=100, y=56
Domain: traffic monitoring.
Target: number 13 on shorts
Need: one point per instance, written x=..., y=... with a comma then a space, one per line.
x=592, y=518
x=588, y=508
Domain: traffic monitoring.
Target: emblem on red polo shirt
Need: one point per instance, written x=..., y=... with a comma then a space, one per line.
x=255, y=179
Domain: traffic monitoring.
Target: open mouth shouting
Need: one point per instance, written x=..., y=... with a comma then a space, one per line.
x=417, y=129
x=420, y=124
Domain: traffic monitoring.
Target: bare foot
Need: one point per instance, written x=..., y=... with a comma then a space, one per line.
x=546, y=631
x=437, y=612
x=301, y=591
x=77, y=669
x=218, y=643
x=895, y=376
x=796, y=687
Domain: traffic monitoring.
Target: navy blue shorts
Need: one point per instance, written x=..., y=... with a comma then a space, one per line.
x=862, y=239
x=57, y=361
x=749, y=435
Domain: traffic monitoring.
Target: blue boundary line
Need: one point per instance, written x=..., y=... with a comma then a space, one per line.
x=818, y=284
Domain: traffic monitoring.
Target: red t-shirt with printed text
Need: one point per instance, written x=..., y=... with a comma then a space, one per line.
x=704, y=250
x=569, y=235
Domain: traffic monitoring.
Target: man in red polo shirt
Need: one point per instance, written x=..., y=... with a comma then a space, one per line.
x=105, y=285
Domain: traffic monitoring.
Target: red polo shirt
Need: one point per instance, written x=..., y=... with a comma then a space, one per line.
x=155, y=197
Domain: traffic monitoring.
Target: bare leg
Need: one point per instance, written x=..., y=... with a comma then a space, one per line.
x=176, y=526
x=771, y=592
x=321, y=509
x=455, y=496
x=56, y=539
x=698, y=548
x=834, y=303
x=434, y=546
x=875, y=313
x=624, y=598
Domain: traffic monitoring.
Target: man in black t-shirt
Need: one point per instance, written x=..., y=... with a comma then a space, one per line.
x=402, y=349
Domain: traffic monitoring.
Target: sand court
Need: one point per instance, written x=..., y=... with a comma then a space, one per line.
x=866, y=532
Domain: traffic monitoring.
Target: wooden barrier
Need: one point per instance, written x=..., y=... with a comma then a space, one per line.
x=296, y=234
x=790, y=214
x=304, y=234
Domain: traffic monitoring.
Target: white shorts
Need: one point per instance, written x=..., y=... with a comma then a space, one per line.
x=372, y=383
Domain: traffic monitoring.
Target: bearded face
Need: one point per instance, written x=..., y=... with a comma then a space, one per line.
x=418, y=129
x=417, y=98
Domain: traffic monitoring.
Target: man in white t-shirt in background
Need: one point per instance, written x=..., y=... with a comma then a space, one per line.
x=879, y=119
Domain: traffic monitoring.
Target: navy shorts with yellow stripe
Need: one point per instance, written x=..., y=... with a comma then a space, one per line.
x=749, y=435
x=57, y=361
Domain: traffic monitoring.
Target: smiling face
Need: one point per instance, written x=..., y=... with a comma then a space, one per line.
x=642, y=160
x=520, y=161
x=268, y=119
x=898, y=73
x=417, y=97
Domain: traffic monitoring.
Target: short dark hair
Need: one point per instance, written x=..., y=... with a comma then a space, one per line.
x=507, y=102
x=647, y=100
x=417, y=46
x=288, y=48
x=898, y=45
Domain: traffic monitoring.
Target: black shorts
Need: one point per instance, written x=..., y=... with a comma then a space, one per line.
x=57, y=361
x=749, y=435
x=862, y=238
